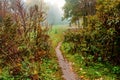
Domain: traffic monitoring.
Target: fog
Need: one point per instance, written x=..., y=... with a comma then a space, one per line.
x=54, y=14
x=53, y=9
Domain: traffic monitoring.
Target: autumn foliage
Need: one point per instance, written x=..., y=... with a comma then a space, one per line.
x=23, y=41
x=101, y=38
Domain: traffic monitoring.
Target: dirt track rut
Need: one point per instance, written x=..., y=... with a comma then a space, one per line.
x=66, y=67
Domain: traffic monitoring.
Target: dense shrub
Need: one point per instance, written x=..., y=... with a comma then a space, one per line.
x=101, y=37
x=98, y=42
x=22, y=50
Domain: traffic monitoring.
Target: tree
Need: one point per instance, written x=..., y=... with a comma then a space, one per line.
x=74, y=10
x=23, y=40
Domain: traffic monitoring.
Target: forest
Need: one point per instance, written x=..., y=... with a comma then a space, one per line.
x=38, y=42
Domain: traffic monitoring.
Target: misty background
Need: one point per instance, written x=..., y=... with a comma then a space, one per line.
x=53, y=9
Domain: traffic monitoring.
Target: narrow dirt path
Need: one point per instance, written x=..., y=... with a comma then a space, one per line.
x=68, y=73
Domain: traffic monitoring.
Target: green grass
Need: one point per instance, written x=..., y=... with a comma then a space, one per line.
x=92, y=70
x=56, y=34
x=51, y=68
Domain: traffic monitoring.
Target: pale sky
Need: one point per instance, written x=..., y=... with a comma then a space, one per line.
x=60, y=3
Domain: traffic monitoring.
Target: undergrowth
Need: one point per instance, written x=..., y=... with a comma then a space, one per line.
x=87, y=69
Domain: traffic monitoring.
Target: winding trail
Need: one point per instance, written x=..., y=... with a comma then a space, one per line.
x=68, y=73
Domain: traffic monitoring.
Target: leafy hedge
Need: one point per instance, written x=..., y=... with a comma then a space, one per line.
x=101, y=38
x=22, y=50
